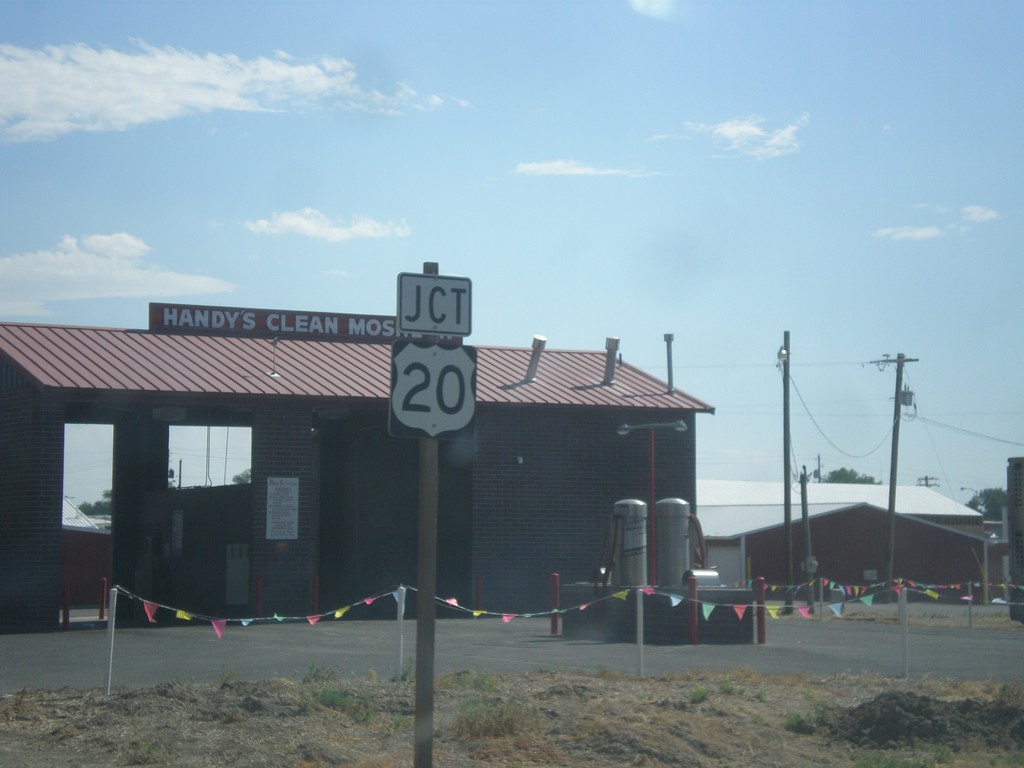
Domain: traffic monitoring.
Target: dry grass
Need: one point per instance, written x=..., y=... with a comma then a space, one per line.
x=709, y=719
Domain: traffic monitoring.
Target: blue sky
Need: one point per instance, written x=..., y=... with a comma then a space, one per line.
x=725, y=172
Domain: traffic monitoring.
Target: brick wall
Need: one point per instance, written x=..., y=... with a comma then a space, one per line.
x=284, y=445
x=545, y=482
x=32, y=461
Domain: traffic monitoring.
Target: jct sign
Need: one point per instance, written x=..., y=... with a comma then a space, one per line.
x=434, y=304
x=433, y=390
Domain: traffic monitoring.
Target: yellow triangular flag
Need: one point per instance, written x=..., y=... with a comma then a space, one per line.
x=341, y=612
x=182, y=615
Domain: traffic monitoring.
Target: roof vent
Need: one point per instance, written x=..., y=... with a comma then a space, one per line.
x=539, y=343
x=611, y=345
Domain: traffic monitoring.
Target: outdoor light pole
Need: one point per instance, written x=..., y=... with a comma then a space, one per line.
x=787, y=475
x=625, y=429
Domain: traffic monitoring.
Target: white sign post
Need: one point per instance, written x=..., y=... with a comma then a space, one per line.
x=433, y=395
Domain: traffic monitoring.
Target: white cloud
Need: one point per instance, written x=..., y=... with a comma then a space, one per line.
x=95, y=267
x=909, y=233
x=969, y=215
x=312, y=223
x=572, y=168
x=48, y=92
x=747, y=136
x=978, y=213
x=658, y=9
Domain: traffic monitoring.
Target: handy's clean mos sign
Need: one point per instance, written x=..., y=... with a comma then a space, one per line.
x=238, y=321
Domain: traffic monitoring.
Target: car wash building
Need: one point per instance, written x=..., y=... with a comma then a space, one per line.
x=330, y=514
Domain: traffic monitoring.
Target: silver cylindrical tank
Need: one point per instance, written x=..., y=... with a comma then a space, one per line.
x=630, y=557
x=671, y=541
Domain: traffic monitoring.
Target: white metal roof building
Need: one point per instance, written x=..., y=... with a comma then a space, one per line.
x=937, y=539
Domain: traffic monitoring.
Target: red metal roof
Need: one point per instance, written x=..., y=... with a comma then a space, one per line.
x=88, y=363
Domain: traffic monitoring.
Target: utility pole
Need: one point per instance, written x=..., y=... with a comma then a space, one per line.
x=928, y=482
x=890, y=547
x=787, y=489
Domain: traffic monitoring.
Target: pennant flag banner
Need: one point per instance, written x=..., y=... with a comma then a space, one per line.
x=369, y=600
x=675, y=600
x=621, y=595
x=478, y=614
x=278, y=618
x=837, y=609
x=932, y=594
x=867, y=599
x=708, y=608
x=648, y=590
x=452, y=601
x=150, y=610
x=218, y=626
x=584, y=607
x=341, y=612
x=740, y=610
x=245, y=622
x=507, y=617
x=183, y=615
x=312, y=620
x=773, y=611
x=804, y=610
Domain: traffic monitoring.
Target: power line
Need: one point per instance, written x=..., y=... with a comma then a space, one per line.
x=963, y=431
x=828, y=439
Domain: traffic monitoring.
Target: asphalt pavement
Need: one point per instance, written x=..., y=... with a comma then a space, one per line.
x=192, y=653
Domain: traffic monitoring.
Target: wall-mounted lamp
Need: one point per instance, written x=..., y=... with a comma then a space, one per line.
x=678, y=426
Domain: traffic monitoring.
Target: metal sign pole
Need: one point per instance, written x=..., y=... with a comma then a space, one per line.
x=426, y=610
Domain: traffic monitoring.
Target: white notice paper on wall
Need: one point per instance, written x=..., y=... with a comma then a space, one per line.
x=282, y=508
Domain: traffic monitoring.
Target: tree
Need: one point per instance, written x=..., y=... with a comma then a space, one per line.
x=844, y=475
x=97, y=508
x=990, y=502
x=243, y=478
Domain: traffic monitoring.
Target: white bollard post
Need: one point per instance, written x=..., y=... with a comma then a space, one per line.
x=401, y=632
x=112, y=617
x=639, y=632
x=905, y=623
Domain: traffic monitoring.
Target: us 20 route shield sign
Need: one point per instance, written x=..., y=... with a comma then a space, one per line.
x=433, y=390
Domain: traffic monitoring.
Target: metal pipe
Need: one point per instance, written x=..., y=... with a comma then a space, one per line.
x=669, y=338
x=539, y=342
x=611, y=345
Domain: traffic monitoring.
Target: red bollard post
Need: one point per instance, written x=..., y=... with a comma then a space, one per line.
x=259, y=597
x=104, y=589
x=65, y=599
x=556, y=604
x=316, y=595
x=694, y=612
x=759, y=600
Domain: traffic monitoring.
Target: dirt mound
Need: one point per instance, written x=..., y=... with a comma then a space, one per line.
x=903, y=719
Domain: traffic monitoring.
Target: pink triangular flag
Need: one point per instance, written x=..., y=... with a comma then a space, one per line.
x=584, y=606
x=805, y=611
x=218, y=626
x=369, y=600
x=648, y=590
x=507, y=617
x=312, y=620
x=150, y=610
x=740, y=610
x=452, y=601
